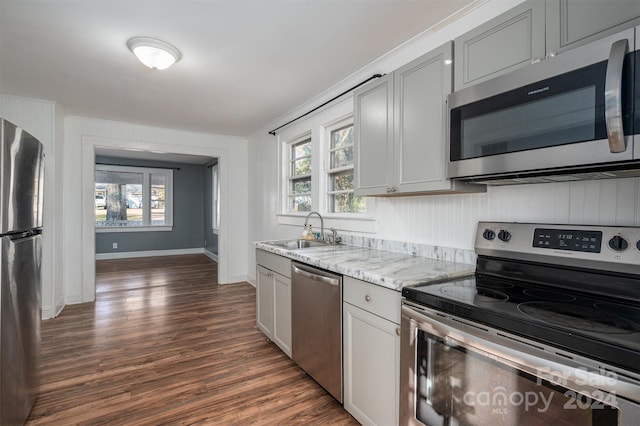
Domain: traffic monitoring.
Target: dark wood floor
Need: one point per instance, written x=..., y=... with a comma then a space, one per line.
x=165, y=344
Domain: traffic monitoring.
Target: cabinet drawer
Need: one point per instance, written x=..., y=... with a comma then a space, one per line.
x=276, y=263
x=378, y=300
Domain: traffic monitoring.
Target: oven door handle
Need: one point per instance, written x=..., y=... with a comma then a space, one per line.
x=613, y=96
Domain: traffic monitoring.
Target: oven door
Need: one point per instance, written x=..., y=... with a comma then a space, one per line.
x=458, y=373
x=570, y=111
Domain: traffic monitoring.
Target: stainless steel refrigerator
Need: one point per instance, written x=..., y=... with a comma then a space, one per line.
x=21, y=185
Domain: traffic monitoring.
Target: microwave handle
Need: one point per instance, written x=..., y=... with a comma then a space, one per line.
x=613, y=96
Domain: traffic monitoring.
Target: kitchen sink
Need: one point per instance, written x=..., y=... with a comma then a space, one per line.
x=298, y=244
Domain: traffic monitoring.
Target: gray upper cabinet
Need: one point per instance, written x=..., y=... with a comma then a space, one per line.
x=400, y=136
x=571, y=23
x=533, y=31
x=373, y=130
x=510, y=41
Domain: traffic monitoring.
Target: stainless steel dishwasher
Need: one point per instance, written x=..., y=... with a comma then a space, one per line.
x=316, y=325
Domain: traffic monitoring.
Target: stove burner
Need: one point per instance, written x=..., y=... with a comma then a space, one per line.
x=473, y=294
x=578, y=317
x=552, y=296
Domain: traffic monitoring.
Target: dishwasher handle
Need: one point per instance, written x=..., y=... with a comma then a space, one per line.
x=310, y=273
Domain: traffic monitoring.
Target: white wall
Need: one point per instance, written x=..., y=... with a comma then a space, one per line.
x=43, y=119
x=81, y=137
x=446, y=220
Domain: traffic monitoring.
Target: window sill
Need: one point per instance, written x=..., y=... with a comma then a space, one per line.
x=133, y=229
x=341, y=223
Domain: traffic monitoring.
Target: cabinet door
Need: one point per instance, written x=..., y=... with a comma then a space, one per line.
x=371, y=367
x=264, y=300
x=510, y=41
x=420, y=91
x=373, y=131
x=282, y=313
x=571, y=23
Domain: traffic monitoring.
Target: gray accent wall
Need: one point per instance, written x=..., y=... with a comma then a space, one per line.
x=211, y=239
x=188, y=212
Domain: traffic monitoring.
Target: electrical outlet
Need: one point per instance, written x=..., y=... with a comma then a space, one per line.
x=205, y=243
x=115, y=245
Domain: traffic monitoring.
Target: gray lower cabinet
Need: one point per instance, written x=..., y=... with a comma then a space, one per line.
x=400, y=122
x=371, y=351
x=273, y=298
x=533, y=31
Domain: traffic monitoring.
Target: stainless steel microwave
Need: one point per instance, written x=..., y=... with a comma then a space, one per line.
x=570, y=117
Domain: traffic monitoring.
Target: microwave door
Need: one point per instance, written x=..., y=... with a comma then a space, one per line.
x=566, y=113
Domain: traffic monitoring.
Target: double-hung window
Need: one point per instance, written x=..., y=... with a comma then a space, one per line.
x=316, y=157
x=133, y=198
x=299, y=176
x=340, y=181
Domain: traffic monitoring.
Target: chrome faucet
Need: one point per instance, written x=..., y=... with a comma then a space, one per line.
x=306, y=222
x=333, y=238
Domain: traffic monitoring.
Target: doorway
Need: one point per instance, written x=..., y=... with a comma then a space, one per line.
x=90, y=147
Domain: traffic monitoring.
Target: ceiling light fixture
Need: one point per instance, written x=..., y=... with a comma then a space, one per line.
x=154, y=53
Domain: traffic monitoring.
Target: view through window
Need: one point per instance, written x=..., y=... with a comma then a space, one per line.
x=132, y=197
x=340, y=187
x=299, y=176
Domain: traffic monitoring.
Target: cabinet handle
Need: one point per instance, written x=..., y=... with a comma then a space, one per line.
x=397, y=331
x=367, y=298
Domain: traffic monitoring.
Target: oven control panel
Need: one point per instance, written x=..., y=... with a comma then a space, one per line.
x=568, y=239
x=617, y=247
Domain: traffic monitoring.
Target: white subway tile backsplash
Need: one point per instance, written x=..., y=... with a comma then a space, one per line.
x=451, y=220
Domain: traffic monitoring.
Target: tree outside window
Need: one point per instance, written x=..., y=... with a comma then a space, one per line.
x=299, y=177
x=340, y=186
x=132, y=197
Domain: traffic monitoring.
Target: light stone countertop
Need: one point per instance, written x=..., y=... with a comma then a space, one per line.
x=385, y=268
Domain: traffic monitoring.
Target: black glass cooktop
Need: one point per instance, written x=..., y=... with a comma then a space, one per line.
x=596, y=326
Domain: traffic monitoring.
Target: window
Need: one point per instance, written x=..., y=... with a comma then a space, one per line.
x=299, y=176
x=316, y=172
x=215, y=196
x=133, y=197
x=340, y=185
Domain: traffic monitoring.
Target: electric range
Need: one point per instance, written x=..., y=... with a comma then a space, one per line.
x=559, y=298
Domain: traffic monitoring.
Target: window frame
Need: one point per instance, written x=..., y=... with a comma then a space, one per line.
x=215, y=198
x=315, y=126
x=146, y=199
x=328, y=129
x=289, y=176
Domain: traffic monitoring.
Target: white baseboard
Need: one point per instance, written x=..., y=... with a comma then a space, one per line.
x=211, y=255
x=149, y=253
x=72, y=299
x=47, y=313
x=252, y=281
x=236, y=279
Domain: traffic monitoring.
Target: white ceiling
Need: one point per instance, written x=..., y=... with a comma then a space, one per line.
x=245, y=62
